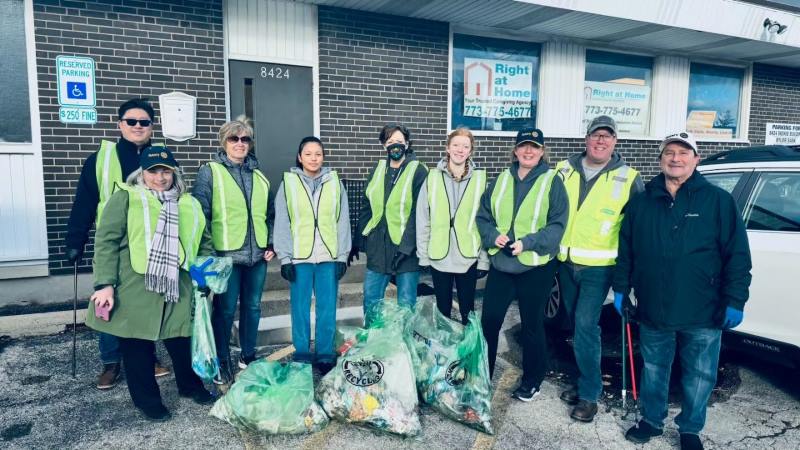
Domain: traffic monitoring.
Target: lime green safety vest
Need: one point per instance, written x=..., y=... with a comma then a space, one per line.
x=531, y=216
x=143, y=211
x=230, y=211
x=398, y=206
x=592, y=233
x=108, y=173
x=303, y=220
x=462, y=223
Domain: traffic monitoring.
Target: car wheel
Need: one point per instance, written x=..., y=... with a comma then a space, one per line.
x=554, y=308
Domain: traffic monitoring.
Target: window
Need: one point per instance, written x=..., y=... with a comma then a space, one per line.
x=618, y=85
x=494, y=83
x=726, y=181
x=16, y=125
x=776, y=203
x=714, y=93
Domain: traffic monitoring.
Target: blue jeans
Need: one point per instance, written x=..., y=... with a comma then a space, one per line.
x=245, y=287
x=321, y=279
x=583, y=292
x=109, y=348
x=699, y=352
x=375, y=288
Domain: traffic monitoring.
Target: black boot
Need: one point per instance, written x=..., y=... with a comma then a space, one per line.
x=642, y=432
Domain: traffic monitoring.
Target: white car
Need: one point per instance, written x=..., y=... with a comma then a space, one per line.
x=765, y=181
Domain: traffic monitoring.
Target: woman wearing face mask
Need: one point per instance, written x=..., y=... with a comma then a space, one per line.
x=235, y=197
x=312, y=241
x=447, y=237
x=521, y=221
x=151, y=231
x=386, y=223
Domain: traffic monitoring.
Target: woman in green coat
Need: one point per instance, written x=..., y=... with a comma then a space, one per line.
x=151, y=230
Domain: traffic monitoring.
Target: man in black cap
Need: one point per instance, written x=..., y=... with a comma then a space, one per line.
x=598, y=184
x=102, y=170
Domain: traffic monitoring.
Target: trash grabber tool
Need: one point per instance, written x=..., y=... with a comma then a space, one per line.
x=624, y=370
x=630, y=358
x=74, y=317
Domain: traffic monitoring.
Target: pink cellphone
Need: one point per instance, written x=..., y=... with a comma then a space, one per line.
x=102, y=312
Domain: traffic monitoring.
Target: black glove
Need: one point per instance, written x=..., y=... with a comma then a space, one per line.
x=341, y=268
x=397, y=260
x=508, y=250
x=482, y=273
x=353, y=255
x=73, y=254
x=287, y=272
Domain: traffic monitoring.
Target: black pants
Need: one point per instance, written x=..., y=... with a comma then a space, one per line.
x=465, y=285
x=531, y=289
x=137, y=357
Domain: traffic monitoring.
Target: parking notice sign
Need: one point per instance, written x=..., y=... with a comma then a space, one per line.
x=76, y=89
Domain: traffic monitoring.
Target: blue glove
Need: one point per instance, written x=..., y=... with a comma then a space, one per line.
x=618, y=302
x=198, y=273
x=733, y=317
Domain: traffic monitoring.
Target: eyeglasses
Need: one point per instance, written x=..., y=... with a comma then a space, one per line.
x=601, y=137
x=244, y=139
x=143, y=122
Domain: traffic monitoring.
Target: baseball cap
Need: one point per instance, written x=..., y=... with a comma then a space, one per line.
x=533, y=135
x=602, y=122
x=157, y=155
x=684, y=137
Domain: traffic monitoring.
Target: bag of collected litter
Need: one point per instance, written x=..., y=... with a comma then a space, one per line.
x=452, y=365
x=273, y=398
x=373, y=383
x=207, y=273
x=346, y=336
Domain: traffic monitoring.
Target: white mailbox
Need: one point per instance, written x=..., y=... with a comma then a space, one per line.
x=178, y=116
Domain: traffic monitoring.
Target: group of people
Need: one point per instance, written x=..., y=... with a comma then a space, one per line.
x=677, y=242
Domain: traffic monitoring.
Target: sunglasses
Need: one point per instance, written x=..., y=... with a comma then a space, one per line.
x=244, y=139
x=143, y=122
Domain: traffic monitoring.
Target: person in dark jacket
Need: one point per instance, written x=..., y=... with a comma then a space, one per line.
x=102, y=171
x=683, y=250
x=521, y=221
x=234, y=195
x=387, y=221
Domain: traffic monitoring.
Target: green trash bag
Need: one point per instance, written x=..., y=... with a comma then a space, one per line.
x=204, y=351
x=346, y=336
x=373, y=383
x=452, y=365
x=272, y=398
x=216, y=272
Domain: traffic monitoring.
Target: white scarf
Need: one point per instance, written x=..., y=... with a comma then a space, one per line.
x=163, y=262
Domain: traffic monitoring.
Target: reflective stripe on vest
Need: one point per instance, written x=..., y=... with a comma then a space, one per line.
x=462, y=222
x=398, y=206
x=592, y=234
x=108, y=173
x=531, y=215
x=143, y=211
x=230, y=210
x=302, y=219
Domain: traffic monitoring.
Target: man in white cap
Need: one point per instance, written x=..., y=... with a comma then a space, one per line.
x=683, y=250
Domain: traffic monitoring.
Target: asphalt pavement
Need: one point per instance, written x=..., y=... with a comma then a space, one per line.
x=42, y=406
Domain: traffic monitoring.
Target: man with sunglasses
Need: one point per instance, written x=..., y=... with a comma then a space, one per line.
x=102, y=170
x=598, y=184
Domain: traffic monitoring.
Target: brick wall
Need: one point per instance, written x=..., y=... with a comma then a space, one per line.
x=141, y=49
x=775, y=98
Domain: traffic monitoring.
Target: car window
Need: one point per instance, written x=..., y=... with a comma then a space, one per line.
x=775, y=203
x=725, y=181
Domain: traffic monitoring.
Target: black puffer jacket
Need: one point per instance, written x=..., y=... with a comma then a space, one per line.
x=686, y=258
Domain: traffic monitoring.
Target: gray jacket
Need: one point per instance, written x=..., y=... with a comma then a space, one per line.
x=284, y=245
x=544, y=242
x=454, y=262
x=203, y=189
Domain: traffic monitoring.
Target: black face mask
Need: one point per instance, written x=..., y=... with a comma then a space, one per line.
x=396, y=151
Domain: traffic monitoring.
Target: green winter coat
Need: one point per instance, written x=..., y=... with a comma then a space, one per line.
x=137, y=313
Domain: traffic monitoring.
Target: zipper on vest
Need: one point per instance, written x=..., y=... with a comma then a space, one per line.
x=251, y=228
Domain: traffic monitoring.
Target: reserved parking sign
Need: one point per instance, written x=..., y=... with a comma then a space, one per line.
x=76, y=89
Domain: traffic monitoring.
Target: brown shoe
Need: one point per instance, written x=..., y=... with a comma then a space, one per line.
x=109, y=377
x=584, y=411
x=161, y=371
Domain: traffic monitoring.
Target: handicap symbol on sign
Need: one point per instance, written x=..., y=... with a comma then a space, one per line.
x=76, y=90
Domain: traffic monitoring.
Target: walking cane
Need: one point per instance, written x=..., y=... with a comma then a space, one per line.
x=74, y=317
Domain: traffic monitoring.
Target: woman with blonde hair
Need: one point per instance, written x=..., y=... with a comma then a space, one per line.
x=447, y=235
x=235, y=198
